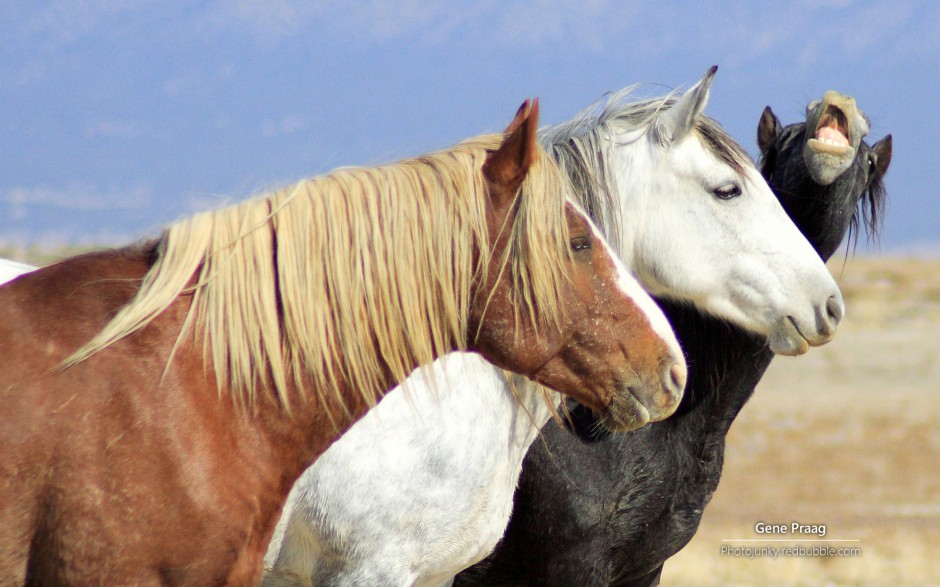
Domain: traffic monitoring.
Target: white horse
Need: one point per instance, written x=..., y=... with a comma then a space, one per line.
x=10, y=269
x=422, y=486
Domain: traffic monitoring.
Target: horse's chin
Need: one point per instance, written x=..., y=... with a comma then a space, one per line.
x=825, y=162
x=787, y=340
x=625, y=413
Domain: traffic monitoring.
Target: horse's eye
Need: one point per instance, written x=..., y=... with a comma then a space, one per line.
x=581, y=243
x=727, y=191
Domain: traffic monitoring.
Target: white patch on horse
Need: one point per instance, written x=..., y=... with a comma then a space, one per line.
x=11, y=269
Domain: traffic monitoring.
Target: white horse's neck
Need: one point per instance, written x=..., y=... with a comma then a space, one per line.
x=446, y=453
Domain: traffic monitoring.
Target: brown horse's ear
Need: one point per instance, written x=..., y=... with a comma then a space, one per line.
x=506, y=167
x=768, y=129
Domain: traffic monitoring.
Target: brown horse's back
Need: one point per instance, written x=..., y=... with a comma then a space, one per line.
x=108, y=460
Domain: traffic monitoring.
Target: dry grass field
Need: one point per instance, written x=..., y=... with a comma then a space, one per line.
x=847, y=436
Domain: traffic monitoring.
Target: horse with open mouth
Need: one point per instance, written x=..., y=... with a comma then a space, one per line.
x=828, y=177
x=690, y=215
x=160, y=400
x=647, y=489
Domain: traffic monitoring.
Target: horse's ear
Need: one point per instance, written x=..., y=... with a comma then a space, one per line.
x=881, y=155
x=768, y=129
x=506, y=167
x=678, y=121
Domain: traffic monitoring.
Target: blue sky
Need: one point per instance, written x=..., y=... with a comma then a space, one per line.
x=117, y=117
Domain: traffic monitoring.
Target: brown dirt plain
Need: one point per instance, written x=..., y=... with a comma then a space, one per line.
x=848, y=436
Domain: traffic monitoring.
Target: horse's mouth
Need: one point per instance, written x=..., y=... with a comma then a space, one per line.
x=832, y=133
x=625, y=412
x=788, y=340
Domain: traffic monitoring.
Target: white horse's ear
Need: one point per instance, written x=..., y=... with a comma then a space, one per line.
x=675, y=123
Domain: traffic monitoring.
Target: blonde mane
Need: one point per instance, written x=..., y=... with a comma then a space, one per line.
x=340, y=280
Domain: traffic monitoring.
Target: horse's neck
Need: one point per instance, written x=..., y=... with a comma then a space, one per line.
x=811, y=208
x=274, y=446
x=312, y=424
x=822, y=213
x=534, y=410
x=459, y=406
x=470, y=387
x=725, y=364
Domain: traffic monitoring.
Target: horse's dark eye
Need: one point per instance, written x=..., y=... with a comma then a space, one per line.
x=727, y=191
x=581, y=243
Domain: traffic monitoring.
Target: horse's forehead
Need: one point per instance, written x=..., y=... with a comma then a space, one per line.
x=695, y=155
x=576, y=216
x=580, y=219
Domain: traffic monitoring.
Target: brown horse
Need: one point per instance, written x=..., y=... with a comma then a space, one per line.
x=227, y=355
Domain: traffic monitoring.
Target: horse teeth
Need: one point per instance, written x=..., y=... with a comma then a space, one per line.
x=831, y=142
x=831, y=136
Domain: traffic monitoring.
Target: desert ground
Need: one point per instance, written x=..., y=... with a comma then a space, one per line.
x=847, y=436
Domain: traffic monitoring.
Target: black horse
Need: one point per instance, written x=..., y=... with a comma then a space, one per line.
x=594, y=508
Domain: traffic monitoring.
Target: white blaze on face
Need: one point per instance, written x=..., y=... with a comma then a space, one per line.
x=631, y=287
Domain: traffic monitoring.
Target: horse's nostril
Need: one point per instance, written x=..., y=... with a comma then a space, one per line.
x=677, y=375
x=673, y=386
x=835, y=309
